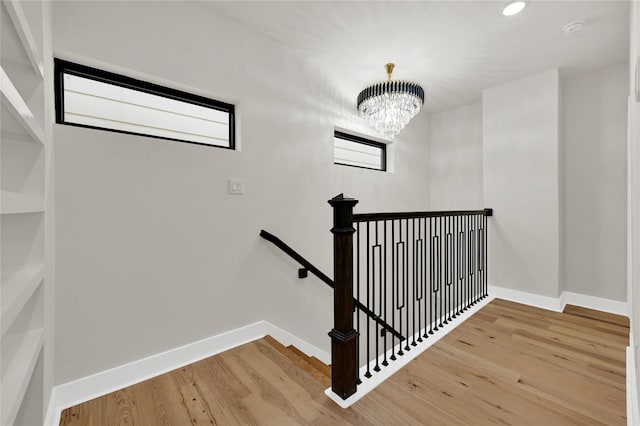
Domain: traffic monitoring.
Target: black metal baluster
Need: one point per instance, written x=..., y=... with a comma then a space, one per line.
x=455, y=267
x=441, y=302
x=384, y=361
x=400, y=285
x=418, y=260
x=379, y=312
x=475, y=258
x=415, y=280
x=452, y=280
x=394, y=283
x=486, y=256
x=459, y=252
x=478, y=254
x=472, y=258
x=445, y=282
x=448, y=261
x=465, y=266
x=436, y=273
x=462, y=238
x=425, y=277
x=432, y=276
x=469, y=260
x=463, y=262
x=477, y=251
x=438, y=259
x=368, y=373
x=481, y=257
x=452, y=256
x=406, y=280
x=357, y=312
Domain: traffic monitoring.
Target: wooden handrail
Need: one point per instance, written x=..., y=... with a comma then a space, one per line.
x=324, y=278
x=370, y=217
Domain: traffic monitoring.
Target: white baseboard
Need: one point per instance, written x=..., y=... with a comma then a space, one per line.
x=537, y=300
x=371, y=383
x=558, y=304
x=99, y=384
x=52, y=416
x=287, y=339
x=633, y=410
x=597, y=303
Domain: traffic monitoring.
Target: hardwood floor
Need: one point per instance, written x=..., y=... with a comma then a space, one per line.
x=508, y=364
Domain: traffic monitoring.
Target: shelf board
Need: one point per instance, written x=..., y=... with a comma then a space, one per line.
x=18, y=374
x=14, y=8
x=16, y=292
x=14, y=203
x=18, y=107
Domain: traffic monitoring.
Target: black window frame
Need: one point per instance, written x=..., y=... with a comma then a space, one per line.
x=364, y=141
x=62, y=67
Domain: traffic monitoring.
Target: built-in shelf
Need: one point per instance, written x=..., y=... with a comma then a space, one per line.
x=14, y=9
x=16, y=291
x=18, y=373
x=14, y=203
x=25, y=197
x=12, y=100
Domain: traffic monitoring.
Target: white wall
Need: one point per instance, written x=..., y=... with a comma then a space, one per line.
x=455, y=159
x=594, y=123
x=634, y=186
x=151, y=251
x=520, y=163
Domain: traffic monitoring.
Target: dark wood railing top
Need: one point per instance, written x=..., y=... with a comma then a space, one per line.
x=371, y=217
x=318, y=273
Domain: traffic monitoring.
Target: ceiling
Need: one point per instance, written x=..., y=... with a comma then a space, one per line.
x=454, y=49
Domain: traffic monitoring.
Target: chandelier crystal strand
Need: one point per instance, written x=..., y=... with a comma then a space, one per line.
x=389, y=106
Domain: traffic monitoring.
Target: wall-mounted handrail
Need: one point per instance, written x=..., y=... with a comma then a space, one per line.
x=324, y=278
x=294, y=255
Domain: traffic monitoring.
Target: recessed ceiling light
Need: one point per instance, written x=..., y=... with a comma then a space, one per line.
x=514, y=8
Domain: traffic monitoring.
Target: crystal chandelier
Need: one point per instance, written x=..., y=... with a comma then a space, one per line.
x=388, y=106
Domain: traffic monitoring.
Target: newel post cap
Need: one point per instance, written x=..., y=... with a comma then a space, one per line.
x=343, y=199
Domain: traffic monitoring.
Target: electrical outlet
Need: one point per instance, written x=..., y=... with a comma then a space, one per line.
x=236, y=186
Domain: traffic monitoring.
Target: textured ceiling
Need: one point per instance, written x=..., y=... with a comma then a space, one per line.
x=454, y=49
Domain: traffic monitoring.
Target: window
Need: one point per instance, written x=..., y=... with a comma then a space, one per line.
x=356, y=151
x=89, y=97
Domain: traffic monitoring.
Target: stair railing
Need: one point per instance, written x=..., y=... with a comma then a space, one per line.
x=417, y=271
x=413, y=273
x=309, y=267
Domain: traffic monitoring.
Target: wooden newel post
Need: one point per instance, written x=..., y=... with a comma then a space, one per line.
x=344, y=339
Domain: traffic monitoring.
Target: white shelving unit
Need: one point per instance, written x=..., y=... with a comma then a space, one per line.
x=15, y=203
x=16, y=292
x=22, y=365
x=17, y=107
x=25, y=77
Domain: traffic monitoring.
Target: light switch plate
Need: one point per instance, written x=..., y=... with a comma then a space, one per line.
x=236, y=186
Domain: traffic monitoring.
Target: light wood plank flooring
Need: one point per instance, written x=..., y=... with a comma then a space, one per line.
x=508, y=364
